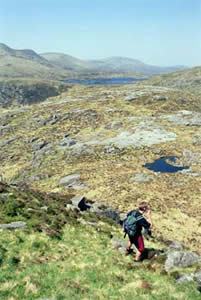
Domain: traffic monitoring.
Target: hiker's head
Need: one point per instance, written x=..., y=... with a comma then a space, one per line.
x=143, y=206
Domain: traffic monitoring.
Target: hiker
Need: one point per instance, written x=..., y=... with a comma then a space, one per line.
x=136, y=237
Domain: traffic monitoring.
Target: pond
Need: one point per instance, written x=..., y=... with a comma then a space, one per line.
x=106, y=81
x=161, y=165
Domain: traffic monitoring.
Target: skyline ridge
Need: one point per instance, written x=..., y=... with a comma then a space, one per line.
x=156, y=32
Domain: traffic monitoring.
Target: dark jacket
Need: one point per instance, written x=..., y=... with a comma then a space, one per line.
x=142, y=223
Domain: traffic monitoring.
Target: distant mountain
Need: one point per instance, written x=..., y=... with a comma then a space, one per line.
x=129, y=65
x=107, y=65
x=27, y=63
x=190, y=78
x=65, y=61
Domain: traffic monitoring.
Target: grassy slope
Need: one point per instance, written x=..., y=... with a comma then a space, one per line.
x=81, y=264
x=12, y=67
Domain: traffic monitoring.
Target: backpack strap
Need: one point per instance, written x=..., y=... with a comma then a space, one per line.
x=133, y=212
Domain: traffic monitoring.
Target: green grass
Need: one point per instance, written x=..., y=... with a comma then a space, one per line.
x=82, y=265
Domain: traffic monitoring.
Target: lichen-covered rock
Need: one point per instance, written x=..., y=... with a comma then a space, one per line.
x=72, y=181
x=181, y=259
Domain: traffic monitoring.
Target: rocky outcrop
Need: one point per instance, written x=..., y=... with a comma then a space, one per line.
x=28, y=91
x=72, y=181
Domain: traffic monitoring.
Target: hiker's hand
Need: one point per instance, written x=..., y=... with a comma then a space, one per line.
x=148, y=213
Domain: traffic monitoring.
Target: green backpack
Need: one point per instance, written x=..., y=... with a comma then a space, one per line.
x=130, y=223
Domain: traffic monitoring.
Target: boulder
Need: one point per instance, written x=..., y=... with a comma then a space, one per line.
x=160, y=98
x=111, y=214
x=185, y=278
x=72, y=181
x=197, y=277
x=176, y=245
x=13, y=225
x=181, y=259
x=114, y=125
x=79, y=202
x=120, y=245
x=140, y=138
x=141, y=178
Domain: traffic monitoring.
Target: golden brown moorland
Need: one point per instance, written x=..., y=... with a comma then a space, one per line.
x=106, y=134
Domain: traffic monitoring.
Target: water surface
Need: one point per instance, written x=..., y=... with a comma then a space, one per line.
x=106, y=81
x=161, y=165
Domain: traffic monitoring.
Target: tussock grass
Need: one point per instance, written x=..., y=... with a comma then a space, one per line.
x=82, y=265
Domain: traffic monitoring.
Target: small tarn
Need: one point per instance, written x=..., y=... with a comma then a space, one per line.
x=161, y=165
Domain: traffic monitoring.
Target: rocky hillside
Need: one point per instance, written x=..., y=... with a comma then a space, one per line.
x=186, y=79
x=72, y=167
x=28, y=91
x=97, y=141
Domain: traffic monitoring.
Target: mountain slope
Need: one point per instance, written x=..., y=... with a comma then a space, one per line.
x=65, y=61
x=124, y=64
x=190, y=78
x=108, y=65
x=27, y=63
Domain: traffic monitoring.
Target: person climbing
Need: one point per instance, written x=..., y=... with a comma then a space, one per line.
x=134, y=229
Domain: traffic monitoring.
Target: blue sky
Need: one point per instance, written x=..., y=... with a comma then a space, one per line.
x=158, y=32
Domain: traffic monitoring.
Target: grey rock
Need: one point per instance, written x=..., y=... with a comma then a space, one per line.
x=8, y=141
x=69, y=180
x=68, y=142
x=113, y=149
x=175, y=245
x=116, y=244
x=196, y=139
x=84, y=222
x=97, y=207
x=141, y=178
x=186, y=118
x=197, y=277
x=135, y=95
x=111, y=214
x=33, y=139
x=72, y=181
x=81, y=149
x=39, y=145
x=13, y=225
x=141, y=138
x=70, y=207
x=78, y=186
x=79, y=202
x=1, y=178
x=114, y=125
x=122, y=216
x=181, y=259
x=185, y=278
x=33, y=178
x=160, y=98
